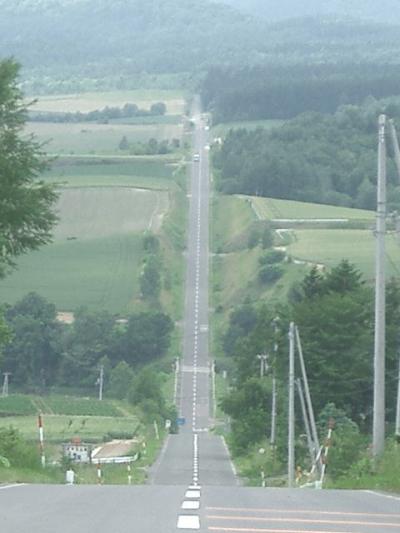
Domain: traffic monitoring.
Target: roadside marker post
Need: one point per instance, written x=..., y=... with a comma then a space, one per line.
x=99, y=480
x=41, y=440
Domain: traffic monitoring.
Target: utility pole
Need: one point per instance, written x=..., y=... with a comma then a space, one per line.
x=308, y=395
x=274, y=392
x=310, y=442
x=101, y=382
x=273, y=413
x=378, y=443
x=291, y=408
x=5, y=383
x=263, y=363
x=397, y=431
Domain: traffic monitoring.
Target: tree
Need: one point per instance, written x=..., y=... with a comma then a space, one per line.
x=33, y=355
x=158, y=109
x=91, y=337
x=150, y=279
x=26, y=216
x=123, y=144
x=120, y=380
x=147, y=337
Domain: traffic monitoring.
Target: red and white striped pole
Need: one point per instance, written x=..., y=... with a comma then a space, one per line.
x=99, y=473
x=41, y=440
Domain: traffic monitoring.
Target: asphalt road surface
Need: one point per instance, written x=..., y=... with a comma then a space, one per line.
x=193, y=485
x=195, y=455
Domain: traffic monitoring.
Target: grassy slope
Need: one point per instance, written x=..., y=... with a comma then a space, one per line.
x=235, y=267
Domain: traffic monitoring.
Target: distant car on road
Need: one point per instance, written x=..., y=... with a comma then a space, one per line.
x=196, y=158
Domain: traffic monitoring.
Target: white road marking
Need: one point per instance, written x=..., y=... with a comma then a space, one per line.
x=382, y=495
x=192, y=494
x=13, y=486
x=190, y=505
x=188, y=522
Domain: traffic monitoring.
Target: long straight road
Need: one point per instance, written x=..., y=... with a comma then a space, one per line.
x=193, y=486
x=194, y=455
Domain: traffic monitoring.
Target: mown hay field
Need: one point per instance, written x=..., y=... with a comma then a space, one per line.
x=101, y=139
x=273, y=208
x=96, y=255
x=85, y=102
x=329, y=247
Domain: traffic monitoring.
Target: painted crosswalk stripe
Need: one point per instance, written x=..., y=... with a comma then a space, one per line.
x=188, y=522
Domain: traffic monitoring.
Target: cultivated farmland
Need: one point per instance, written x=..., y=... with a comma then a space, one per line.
x=101, y=139
x=85, y=102
x=106, y=203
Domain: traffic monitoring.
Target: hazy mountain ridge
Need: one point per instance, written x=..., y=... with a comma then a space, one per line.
x=95, y=39
x=383, y=11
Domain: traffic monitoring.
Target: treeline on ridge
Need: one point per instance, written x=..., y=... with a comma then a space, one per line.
x=99, y=115
x=317, y=158
x=282, y=92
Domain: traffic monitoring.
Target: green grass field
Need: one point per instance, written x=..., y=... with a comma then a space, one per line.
x=25, y=404
x=358, y=246
x=272, y=208
x=58, y=428
x=90, y=101
x=100, y=139
x=230, y=219
x=98, y=273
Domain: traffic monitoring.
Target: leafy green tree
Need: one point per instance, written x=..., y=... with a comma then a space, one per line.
x=16, y=450
x=248, y=407
x=120, y=380
x=270, y=273
x=150, y=279
x=91, y=337
x=158, y=108
x=26, y=216
x=146, y=338
x=123, y=144
x=34, y=353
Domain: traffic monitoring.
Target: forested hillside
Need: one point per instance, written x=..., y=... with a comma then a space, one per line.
x=319, y=158
x=119, y=41
x=281, y=92
x=385, y=10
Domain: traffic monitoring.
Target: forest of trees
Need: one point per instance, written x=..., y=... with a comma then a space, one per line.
x=318, y=158
x=279, y=92
x=42, y=352
x=129, y=110
x=335, y=315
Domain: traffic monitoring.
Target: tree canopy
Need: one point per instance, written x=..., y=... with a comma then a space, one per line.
x=26, y=216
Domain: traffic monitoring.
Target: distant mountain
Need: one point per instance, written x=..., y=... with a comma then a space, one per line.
x=99, y=39
x=382, y=10
x=156, y=35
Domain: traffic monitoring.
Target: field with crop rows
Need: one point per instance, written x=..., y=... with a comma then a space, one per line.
x=97, y=139
x=24, y=404
x=58, y=428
